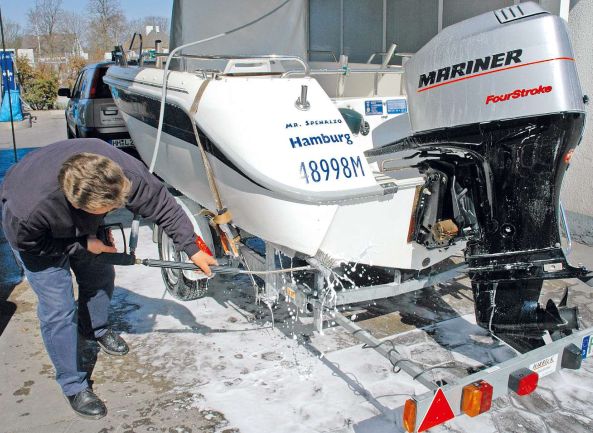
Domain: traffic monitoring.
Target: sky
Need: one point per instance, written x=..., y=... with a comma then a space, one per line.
x=16, y=10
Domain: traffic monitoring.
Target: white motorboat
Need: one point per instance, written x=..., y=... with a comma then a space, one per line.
x=324, y=159
x=294, y=175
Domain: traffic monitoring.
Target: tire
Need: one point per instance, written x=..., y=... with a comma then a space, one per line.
x=177, y=283
x=69, y=133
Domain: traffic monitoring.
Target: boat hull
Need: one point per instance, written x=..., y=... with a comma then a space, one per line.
x=370, y=232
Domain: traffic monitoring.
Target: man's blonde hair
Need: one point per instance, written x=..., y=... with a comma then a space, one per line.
x=92, y=182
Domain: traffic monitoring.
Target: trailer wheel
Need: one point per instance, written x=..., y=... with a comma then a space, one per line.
x=179, y=284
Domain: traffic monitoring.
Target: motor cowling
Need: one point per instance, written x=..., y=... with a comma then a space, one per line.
x=489, y=68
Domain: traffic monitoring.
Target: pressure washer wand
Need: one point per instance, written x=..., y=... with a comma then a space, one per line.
x=129, y=258
x=124, y=259
x=221, y=270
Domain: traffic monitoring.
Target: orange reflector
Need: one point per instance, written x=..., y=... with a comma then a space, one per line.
x=476, y=398
x=568, y=156
x=523, y=381
x=438, y=412
x=410, y=415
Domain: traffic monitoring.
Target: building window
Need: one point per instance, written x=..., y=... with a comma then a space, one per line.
x=411, y=24
x=360, y=28
x=325, y=30
x=363, y=29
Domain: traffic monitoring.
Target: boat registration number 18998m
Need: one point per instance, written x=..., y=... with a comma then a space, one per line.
x=334, y=168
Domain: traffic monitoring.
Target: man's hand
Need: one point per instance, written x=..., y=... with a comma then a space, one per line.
x=95, y=246
x=203, y=261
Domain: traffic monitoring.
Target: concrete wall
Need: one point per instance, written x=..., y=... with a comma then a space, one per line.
x=577, y=192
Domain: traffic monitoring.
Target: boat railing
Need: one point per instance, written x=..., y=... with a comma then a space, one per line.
x=381, y=53
x=342, y=70
x=277, y=57
x=346, y=70
x=306, y=70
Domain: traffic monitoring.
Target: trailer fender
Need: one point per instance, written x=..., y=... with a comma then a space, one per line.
x=199, y=222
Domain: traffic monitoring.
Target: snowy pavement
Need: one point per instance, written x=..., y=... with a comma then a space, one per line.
x=217, y=364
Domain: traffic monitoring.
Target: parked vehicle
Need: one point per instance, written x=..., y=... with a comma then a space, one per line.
x=91, y=111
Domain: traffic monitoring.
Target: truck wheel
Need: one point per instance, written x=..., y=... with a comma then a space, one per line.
x=179, y=283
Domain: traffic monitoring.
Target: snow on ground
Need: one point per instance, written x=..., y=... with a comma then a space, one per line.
x=261, y=378
x=224, y=350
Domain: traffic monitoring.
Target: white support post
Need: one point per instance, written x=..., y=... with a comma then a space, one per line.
x=341, y=27
x=384, y=45
x=564, y=9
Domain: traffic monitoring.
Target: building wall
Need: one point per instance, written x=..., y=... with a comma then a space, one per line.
x=577, y=192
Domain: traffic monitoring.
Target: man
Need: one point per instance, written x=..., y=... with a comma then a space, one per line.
x=54, y=201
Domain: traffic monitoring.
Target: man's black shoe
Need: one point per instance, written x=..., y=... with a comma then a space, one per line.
x=87, y=404
x=112, y=343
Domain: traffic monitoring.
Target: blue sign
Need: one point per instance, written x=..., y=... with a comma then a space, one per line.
x=397, y=106
x=372, y=108
x=7, y=67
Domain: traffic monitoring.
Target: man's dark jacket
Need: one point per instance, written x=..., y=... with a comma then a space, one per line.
x=39, y=221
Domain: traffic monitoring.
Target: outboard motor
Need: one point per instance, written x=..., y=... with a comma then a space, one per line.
x=501, y=90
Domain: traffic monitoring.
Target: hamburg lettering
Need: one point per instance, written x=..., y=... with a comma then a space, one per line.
x=470, y=67
x=319, y=139
x=518, y=93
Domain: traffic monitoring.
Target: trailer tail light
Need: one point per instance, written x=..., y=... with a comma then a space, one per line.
x=410, y=415
x=523, y=381
x=476, y=398
x=572, y=357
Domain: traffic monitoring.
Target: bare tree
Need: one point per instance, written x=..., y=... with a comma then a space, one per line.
x=133, y=26
x=13, y=34
x=107, y=24
x=35, y=27
x=44, y=22
x=75, y=26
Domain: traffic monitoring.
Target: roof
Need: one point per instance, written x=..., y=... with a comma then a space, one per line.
x=149, y=40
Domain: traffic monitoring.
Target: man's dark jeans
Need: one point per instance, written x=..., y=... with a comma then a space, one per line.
x=57, y=308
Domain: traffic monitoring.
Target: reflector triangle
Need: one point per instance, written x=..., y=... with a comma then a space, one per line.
x=438, y=412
